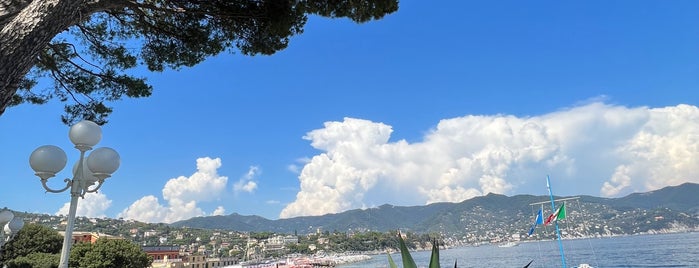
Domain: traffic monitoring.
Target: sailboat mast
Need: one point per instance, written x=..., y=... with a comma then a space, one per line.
x=558, y=232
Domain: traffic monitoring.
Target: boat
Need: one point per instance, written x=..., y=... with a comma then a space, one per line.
x=556, y=215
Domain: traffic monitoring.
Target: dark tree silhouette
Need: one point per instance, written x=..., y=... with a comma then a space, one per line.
x=85, y=47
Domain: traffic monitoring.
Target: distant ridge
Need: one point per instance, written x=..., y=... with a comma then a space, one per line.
x=681, y=197
x=485, y=212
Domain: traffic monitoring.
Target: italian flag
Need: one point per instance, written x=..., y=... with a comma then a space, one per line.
x=558, y=215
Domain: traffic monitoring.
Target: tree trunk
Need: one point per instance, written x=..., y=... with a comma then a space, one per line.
x=26, y=33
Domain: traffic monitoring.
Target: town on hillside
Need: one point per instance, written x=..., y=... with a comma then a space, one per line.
x=171, y=246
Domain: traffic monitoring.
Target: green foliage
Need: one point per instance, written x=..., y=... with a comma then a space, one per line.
x=90, y=69
x=407, y=259
x=108, y=253
x=301, y=248
x=391, y=263
x=35, y=260
x=434, y=258
x=261, y=235
x=33, y=238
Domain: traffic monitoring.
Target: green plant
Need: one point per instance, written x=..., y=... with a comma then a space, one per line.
x=407, y=259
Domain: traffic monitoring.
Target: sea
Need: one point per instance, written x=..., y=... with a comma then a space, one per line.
x=656, y=250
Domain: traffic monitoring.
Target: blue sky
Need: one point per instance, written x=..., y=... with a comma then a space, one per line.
x=432, y=103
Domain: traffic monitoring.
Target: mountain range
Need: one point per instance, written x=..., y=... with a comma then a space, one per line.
x=638, y=212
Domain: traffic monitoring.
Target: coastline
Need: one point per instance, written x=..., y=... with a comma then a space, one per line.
x=308, y=261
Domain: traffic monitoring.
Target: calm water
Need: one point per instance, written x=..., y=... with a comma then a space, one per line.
x=667, y=250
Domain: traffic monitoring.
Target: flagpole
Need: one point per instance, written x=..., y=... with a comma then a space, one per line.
x=558, y=233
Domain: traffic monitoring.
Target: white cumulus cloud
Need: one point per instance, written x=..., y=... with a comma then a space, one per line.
x=220, y=210
x=296, y=168
x=146, y=209
x=93, y=205
x=593, y=148
x=182, y=195
x=247, y=183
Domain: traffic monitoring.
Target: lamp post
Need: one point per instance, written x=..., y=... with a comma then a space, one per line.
x=11, y=225
x=88, y=171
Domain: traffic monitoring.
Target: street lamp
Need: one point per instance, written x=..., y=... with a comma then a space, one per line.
x=48, y=160
x=11, y=225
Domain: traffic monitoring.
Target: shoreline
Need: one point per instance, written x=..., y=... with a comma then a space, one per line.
x=308, y=261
